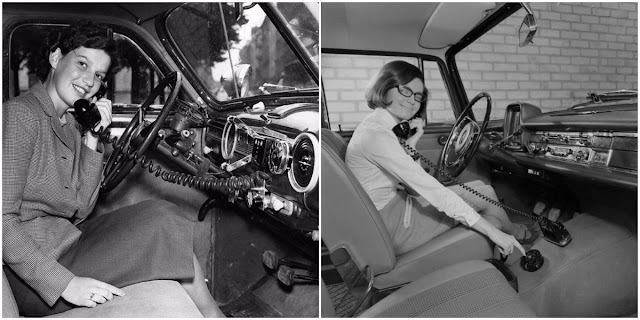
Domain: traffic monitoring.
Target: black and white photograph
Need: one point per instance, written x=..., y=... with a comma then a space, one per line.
x=160, y=160
x=479, y=159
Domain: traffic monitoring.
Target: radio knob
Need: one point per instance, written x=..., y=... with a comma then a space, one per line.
x=276, y=204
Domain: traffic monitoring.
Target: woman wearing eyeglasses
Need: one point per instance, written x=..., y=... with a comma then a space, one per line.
x=376, y=158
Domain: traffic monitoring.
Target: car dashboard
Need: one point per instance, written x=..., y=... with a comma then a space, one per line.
x=596, y=145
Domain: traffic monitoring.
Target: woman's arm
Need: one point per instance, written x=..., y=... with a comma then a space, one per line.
x=19, y=250
x=382, y=148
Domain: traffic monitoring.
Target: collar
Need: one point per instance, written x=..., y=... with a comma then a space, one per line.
x=40, y=92
x=385, y=118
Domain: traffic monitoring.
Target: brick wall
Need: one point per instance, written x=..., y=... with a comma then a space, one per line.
x=579, y=48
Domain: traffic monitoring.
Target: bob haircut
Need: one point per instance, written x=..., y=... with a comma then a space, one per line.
x=84, y=33
x=393, y=74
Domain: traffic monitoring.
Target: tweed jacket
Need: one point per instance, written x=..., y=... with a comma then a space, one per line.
x=50, y=183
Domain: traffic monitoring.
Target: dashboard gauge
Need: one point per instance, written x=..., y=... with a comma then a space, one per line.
x=229, y=137
x=278, y=157
x=305, y=163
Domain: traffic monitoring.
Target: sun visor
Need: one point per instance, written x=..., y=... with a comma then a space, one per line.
x=451, y=21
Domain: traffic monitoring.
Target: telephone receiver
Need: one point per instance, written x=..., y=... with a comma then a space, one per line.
x=87, y=113
x=403, y=129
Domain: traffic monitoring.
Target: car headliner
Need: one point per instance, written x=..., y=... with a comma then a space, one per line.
x=417, y=27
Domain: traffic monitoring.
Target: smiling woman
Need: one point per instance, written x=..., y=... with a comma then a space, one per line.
x=55, y=258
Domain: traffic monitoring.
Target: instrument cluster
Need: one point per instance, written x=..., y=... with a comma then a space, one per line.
x=282, y=143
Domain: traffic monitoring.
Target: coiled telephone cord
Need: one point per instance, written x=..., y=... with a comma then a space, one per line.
x=415, y=153
x=227, y=186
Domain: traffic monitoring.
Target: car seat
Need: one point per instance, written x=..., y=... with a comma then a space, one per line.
x=466, y=289
x=351, y=221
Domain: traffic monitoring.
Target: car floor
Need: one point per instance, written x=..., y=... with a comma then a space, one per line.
x=243, y=285
x=596, y=273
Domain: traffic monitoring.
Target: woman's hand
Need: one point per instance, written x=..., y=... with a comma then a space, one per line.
x=88, y=292
x=418, y=124
x=505, y=242
x=104, y=107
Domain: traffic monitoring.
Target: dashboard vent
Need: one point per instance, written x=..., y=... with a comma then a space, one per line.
x=305, y=163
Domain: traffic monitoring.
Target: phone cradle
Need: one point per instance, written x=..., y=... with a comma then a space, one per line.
x=554, y=232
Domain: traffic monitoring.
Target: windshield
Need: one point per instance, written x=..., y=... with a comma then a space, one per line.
x=579, y=49
x=251, y=58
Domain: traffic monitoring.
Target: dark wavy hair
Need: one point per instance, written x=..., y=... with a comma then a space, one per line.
x=84, y=33
x=392, y=74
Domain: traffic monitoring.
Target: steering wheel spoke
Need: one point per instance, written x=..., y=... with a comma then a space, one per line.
x=125, y=151
x=463, y=140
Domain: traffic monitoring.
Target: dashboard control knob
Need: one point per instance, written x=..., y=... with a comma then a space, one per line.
x=276, y=204
x=206, y=150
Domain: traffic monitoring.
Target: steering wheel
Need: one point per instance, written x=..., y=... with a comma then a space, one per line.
x=463, y=140
x=121, y=160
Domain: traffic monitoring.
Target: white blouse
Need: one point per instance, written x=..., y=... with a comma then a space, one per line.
x=379, y=162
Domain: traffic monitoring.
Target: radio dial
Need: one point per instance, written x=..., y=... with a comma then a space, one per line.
x=278, y=157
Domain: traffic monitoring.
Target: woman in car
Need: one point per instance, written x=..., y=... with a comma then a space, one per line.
x=54, y=259
x=376, y=158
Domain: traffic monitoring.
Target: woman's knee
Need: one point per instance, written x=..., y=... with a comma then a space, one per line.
x=488, y=191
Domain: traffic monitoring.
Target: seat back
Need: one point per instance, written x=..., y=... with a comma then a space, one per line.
x=335, y=142
x=349, y=218
x=9, y=305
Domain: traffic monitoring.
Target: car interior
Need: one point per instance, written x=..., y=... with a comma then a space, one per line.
x=215, y=109
x=570, y=171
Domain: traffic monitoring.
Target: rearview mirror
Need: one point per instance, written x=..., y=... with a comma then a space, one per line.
x=528, y=27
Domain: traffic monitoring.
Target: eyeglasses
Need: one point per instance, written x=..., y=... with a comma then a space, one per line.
x=418, y=97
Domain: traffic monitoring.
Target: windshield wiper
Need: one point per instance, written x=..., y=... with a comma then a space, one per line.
x=270, y=88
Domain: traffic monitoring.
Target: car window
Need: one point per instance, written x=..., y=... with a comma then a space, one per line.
x=346, y=76
x=571, y=55
x=131, y=83
x=257, y=54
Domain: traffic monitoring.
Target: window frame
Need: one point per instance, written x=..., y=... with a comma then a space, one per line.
x=143, y=46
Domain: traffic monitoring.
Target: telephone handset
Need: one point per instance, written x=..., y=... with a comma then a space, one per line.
x=552, y=231
x=403, y=129
x=87, y=113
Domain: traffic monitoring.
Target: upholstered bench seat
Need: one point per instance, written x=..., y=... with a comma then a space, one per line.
x=151, y=299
